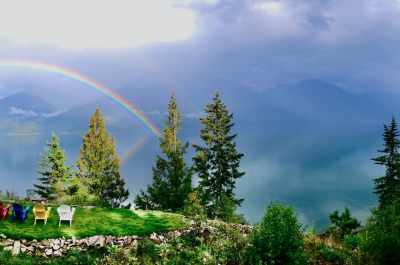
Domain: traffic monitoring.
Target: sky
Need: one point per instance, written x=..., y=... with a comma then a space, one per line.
x=258, y=43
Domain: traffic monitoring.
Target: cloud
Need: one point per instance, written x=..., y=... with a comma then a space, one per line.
x=24, y=113
x=191, y=115
x=53, y=114
x=94, y=23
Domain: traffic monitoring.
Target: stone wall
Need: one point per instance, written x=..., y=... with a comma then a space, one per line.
x=60, y=246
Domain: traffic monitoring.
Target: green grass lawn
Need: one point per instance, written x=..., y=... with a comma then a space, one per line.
x=116, y=222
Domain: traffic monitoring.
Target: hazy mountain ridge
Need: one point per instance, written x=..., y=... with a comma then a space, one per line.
x=306, y=102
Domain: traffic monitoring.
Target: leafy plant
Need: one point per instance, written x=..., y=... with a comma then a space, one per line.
x=278, y=238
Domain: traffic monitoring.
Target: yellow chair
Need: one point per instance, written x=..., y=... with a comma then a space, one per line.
x=40, y=213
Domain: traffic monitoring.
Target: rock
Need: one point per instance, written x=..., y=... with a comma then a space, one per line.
x=89, y=207
x=63, y=238
x=101, y=242
x=62, y=242
x=161, y=238
x=92, y=240
x=8, y=248
x=73, y=239
x=42, y=247
x=3, y=236
x=23, y=249
x=56, y=247
x=56, y=242
x=8, y=242
x=129, y=240
x=49, y=252
x=31, y=248
x=134, y=237
x=57, y=253
x=121, y=244
x=45, y=242
x=23, y=241
x=17, y=248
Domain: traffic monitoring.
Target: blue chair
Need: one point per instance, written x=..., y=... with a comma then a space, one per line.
x=19, y=213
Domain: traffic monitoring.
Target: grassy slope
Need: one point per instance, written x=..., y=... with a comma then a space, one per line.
x=93, y=222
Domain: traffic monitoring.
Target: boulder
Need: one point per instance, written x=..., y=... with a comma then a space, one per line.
x=31, y=248
x=92, y=240
x=56, y=242
x=8, y=248
x=73, y=239
x=49, y=252
x=17, y=248
x=3, y=236
x=56, y=247
x=101, y=242
x=57, y=253
x=8, y=243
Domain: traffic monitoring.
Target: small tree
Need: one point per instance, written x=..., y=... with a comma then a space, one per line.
x=345, y=223
x=278, y=240
x=54, y=181
x=99, y=163
x=217, y=164
x=172, y=179
x=388, y=186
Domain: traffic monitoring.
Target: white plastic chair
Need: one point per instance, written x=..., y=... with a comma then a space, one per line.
x=65, y=213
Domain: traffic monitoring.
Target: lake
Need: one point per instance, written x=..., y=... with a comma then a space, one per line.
x=316, y=169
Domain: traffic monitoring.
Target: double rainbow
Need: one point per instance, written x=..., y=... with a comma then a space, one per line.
x=86, y=81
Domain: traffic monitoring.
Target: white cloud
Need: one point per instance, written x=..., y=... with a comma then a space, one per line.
x=24, y=113
x=53, y=114
x=94, y=23
x=191, y=115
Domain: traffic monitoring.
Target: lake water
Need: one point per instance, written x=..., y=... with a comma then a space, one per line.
x=317, y=170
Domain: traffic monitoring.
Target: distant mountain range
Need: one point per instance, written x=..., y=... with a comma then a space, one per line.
x=306, y=102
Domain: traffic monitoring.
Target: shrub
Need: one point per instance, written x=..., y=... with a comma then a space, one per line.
x=352, y=241
x=193, y=206
x=278, y=238
x=344, y=222
x=382, y=236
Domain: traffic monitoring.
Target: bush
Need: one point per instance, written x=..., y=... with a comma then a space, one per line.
x=382, y=236
x=352, y=241
x=278, y=239
x=193, y=206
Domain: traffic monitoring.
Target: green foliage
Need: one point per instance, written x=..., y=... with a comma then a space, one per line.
x=99, y=163
x=117, y=256
x=54, y=181
x=193, y=206
x=312, y=231
x=382, y=236
x=217, y=164
x=388, y=186
x=344, y=222
x=172, y=179
x=352, y=241
x=278, y=238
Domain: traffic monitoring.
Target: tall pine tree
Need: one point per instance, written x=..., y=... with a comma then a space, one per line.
x=54, y=181
x=217, y=164
x=172, y=179
x=388, y=186
x=99, y=164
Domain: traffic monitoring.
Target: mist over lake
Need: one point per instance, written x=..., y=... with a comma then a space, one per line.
x=317, y=169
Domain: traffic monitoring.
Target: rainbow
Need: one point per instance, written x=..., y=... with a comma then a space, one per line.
x=45, y=67
x=132, y=150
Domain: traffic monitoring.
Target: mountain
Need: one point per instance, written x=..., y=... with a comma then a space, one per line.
x=307, y=102
x=25, y=101
x=316, y=101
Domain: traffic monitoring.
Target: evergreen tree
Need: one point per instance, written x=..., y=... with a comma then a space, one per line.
x=99, y=163
x=388, y=186
x=172, y=179
x=54, y=181
x=217, y=164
